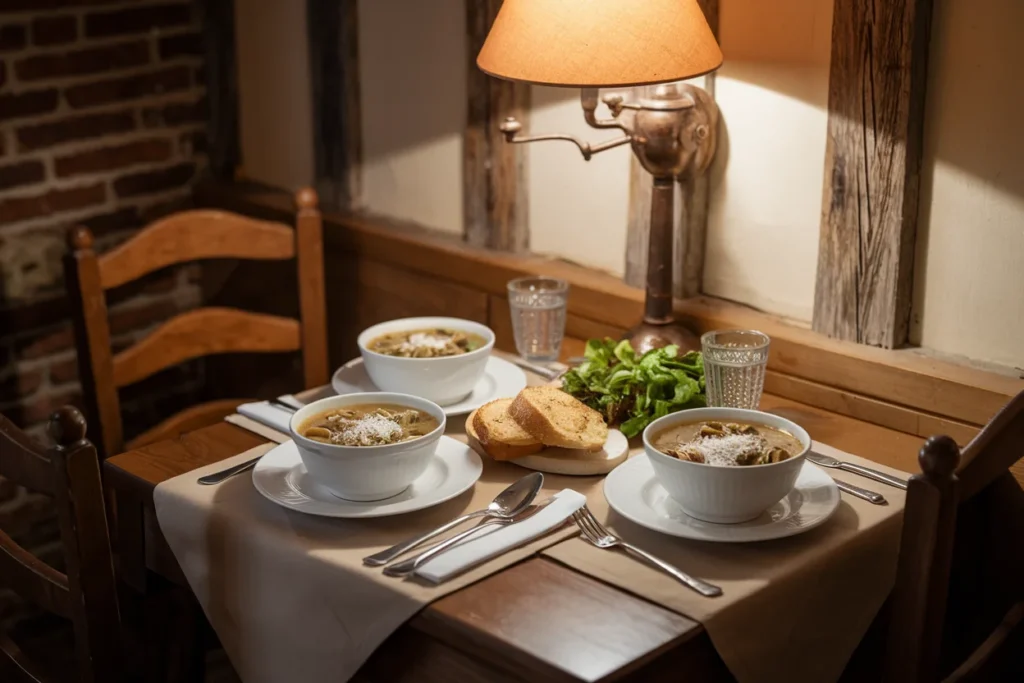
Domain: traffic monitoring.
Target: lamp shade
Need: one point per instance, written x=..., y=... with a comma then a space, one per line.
x=599, y=43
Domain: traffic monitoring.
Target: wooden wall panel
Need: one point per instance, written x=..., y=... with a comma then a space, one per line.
x=221, y=87
x=337, y=117
x=872, y=170
x=494, y=171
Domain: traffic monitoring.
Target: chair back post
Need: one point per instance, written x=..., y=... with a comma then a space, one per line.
x=92, y=339
x=923, y=569
x=309, y=251
x=86, y=540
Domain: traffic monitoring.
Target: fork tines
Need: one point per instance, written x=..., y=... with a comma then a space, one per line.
x=589, y=525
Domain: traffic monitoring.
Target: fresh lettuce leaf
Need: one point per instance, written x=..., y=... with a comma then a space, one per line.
x=633, y=391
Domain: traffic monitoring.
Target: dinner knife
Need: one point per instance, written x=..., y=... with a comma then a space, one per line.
x=867, y=472
x=865, y=494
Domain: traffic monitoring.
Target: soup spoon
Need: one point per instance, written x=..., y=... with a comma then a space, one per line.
x=506, y=505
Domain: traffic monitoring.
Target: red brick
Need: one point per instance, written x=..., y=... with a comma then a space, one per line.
x=106, y=223
x=54, y=30
x=24, y=173
x=74, y=128
x=148, y=182
x=82, y=62
x=139, y=317
x=35, y=206
x=45, y=343
x=12, y=37
x=29, y=103
x=14, y=385
x=115, y=156
x=128, y=88
x=175, y=114
x=181, y=45
x=64, y=371
x=136, y=20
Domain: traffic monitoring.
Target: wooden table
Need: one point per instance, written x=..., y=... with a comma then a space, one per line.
x=537, y=621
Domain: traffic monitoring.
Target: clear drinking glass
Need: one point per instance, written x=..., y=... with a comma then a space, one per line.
x=734, y=365
x=538, y=316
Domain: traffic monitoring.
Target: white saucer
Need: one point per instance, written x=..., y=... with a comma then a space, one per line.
x=281, y=477
x=500, y=379
x=633, y=492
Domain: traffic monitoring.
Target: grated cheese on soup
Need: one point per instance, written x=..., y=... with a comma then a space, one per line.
x=369, y=430
x=725, y=450
x=424, y=340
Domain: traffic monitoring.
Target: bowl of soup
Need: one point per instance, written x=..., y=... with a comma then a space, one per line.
x=725, y=465
x=439, y=359
x=367, y=446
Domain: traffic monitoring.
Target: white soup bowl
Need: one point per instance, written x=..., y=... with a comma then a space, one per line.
x=443, y=380
x=366, y=473
x=719, y=493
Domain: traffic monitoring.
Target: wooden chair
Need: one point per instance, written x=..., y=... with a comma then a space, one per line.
x=87, y=594
x=183, y=237
x=958, y=602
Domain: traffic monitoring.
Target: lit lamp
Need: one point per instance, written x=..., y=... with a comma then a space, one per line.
x=672, y=128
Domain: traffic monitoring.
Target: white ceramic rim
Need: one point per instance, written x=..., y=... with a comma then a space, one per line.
x=460, y=324
x=742, y=414
x=498, y=370
x=739, y=532
x=379, y=397
x=339, y=508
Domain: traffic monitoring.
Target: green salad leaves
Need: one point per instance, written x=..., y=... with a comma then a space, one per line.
x=634, y=391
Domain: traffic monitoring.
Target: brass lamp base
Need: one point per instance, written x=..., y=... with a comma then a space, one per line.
x=647, y=336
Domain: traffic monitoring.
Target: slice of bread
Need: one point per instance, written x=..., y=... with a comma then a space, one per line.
x=498, y=434
x=557, y=419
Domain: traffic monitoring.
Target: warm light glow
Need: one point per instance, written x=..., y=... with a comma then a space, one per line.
x=599, y=43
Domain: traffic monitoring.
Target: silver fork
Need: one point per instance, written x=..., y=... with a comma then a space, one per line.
x=599, y=536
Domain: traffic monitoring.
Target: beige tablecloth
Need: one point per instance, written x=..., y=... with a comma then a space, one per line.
x=792, y=609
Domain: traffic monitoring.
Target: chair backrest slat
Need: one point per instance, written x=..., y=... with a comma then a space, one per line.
x=203, y=332
x=22, y=461
x=192, y=236
x=33, y=579
x=87, y=593
x=994, y=450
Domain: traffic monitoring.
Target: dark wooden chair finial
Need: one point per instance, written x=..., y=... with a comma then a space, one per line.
x=67, y=426
x=306, y=198
x=939, y=457
x=79, y=237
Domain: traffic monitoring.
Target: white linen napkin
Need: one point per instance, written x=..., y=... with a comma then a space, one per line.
x=266, y=413
x=497, y=540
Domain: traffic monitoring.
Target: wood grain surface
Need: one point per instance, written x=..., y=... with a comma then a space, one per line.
x=872, y=170
x=194, y=235
x=493, y=171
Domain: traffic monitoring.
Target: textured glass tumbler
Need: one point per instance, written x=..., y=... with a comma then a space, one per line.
x=538, y=316
x=734, y=365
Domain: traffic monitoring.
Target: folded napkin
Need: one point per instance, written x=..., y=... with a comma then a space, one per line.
x=266, y=413
x=497, y=540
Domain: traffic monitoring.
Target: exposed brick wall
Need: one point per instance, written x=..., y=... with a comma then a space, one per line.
x=102, y=123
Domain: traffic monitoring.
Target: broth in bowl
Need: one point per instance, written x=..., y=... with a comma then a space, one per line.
x=428, y=343
x=368, y=425
x=728, y=444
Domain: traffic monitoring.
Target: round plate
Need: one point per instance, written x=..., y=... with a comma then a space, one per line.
x=633, y=492
x=500, y=379
x=281, y=477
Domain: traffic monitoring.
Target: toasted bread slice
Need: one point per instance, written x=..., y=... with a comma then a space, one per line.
x=557, y=419
x=499, y=435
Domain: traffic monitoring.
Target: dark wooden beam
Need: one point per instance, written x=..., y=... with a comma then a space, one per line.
x=872, y=170
x=337, y=118
x=494, y=172
x=691, y=215
x=221, y=87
